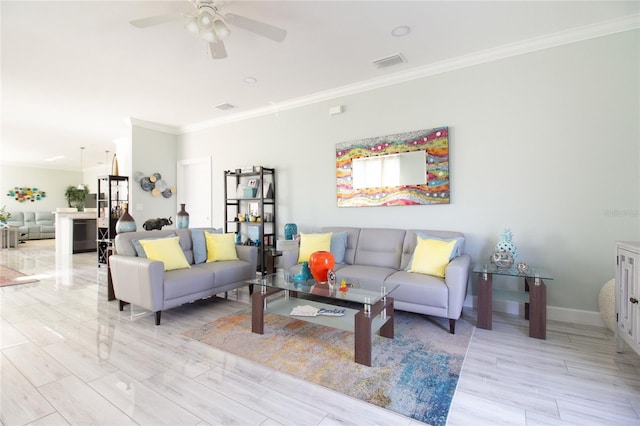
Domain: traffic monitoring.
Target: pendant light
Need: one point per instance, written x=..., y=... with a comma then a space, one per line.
x=82, y=185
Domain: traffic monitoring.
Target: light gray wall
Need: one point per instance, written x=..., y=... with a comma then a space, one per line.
x=53, y=182
x=151, y=151
x=545, y=143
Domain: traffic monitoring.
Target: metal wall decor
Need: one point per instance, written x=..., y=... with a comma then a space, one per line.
x=23, y=193
x=154, y=184
x=402, y=169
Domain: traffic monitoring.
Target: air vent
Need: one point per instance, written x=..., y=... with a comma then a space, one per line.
x=389, y=61
x=224, y=106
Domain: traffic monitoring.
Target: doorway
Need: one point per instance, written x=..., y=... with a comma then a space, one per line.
x=194, y=190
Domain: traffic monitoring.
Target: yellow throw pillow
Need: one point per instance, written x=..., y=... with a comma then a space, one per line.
x=431, y=257
x=167, y=251
x=310, y=243
x=220, y=247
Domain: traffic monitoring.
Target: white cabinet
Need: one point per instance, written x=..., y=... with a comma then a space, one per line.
x=628, y=295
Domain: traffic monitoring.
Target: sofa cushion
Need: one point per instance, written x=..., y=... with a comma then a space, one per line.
x=339, y=245
x=199, y=243
x=367, y=277
x=228, y=271
x=410, y=241
x=352, y=241
x=220, y=247
x=432, y=256
x=181, y=282
x=380, y=247
x=167, y=251
x=45, y=218
x=419, y=289
x=310, y=243
x=140, y=250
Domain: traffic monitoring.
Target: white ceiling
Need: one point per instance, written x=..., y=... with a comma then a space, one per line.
x=74, y=73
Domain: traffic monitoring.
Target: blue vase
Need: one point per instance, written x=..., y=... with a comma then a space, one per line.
x=126, y=223
x=290, y=229
x=305, y=273
x=182, y=218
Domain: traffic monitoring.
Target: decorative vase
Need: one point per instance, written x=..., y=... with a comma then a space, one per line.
x=114, y=166
x=126, y=223
x=182, y=218
x=305, y=273
x=320, y=262
x=290, y=229
x=506, y=244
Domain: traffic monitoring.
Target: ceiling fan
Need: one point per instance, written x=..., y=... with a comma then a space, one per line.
x=207, y=23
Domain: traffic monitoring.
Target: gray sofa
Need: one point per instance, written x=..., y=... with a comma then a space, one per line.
x=144, y=282
x=376, y=256
x=34, y=225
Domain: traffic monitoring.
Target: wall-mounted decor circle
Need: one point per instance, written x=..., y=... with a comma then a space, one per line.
x=146, y=184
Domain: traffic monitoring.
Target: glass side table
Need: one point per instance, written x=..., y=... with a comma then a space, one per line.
x=534, y=296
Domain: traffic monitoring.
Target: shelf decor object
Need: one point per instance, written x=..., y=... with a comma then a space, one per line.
x=320, y=263
x=402, y=169
x=126, y=223
x=506, y=244
x=290, y=229
x=182, y=218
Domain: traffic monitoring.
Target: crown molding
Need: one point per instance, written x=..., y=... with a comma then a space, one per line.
x=154, y=126
x=614, y=26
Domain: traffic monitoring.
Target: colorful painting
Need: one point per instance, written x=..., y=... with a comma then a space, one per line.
x=24, y=193
x=431, y=186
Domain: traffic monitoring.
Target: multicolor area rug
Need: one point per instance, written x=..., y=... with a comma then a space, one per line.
x=414, y=374
x=10, y=277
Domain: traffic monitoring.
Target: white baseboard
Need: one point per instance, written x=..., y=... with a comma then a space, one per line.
x=554, y=313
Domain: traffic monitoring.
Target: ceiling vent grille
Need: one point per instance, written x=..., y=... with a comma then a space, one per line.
x=224, y=107
x=389, y=61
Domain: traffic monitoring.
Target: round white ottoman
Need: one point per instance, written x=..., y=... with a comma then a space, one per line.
x=607, y=303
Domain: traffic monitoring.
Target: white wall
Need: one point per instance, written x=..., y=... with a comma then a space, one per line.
x=544, y=143
x=53, y=182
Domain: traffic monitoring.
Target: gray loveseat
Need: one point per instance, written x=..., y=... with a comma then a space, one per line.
x=34, y=225
x=144, y=282
x=376, y=256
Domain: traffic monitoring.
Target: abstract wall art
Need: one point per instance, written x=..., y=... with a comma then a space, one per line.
x=402, y=169
x=23, y=194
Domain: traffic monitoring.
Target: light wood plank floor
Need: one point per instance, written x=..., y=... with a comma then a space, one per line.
x=70, y=357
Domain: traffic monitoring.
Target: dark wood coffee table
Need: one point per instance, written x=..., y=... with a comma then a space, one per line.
x=376, y=314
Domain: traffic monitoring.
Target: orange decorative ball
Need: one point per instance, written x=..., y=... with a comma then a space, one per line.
x=320, y=262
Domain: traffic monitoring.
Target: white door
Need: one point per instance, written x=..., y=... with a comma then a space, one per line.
x=194, y=190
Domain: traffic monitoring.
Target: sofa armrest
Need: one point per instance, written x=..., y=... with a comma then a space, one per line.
x=290, y=258
x=248, y=254
x=457, y=279
x=138, y=280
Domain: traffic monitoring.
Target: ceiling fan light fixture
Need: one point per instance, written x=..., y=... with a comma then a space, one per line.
x=208, y=35
x=205, y=20
x=221, y=29
x=192, y=26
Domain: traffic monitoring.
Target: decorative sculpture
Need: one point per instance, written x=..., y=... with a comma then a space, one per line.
x=157, y=223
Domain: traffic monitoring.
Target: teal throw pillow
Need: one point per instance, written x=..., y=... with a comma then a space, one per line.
x=200, y=244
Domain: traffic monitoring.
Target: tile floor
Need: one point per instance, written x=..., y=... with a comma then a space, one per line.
x=70, y=357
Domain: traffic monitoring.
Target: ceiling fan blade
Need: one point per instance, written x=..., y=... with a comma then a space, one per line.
x=260, y=28
x=217, y=50
x=155, y=20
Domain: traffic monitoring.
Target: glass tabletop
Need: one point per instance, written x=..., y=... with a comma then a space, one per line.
x=352, y=294
x=531, y=272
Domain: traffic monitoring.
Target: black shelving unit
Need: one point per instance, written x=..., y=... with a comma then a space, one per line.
x=258, y=201
x=113, y=193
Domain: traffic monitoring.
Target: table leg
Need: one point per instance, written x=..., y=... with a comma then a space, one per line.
x=387, y=330
x=485, y=300
x=538, y=309
x=363, y=338
x=257, y=312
